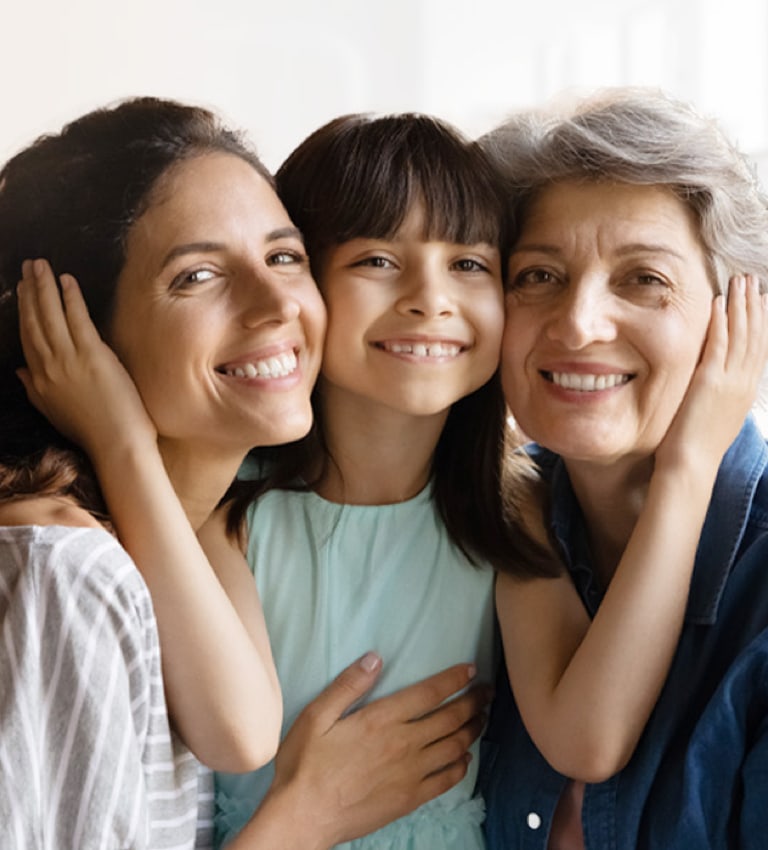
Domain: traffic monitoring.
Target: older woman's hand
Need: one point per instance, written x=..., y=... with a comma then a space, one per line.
x=72, y=377
x=725, y=383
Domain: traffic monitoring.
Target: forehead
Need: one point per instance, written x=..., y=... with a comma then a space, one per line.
x=609, y=217
x=214, y=195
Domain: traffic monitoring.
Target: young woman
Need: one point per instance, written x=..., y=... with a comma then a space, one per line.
x=190, y=267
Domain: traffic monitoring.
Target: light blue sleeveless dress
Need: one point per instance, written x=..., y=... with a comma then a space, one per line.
x=339, y=580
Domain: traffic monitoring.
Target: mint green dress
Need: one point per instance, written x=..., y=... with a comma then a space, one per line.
x=339, y=580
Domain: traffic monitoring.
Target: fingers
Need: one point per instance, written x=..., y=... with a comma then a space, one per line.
x=452, y=749
x=424, y=697
x=747, y=325
x=44, y=329
x=345, y=690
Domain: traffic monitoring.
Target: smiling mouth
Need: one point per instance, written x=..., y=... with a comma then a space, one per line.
x=586, y=383
x=422, y=349
x=279, y=366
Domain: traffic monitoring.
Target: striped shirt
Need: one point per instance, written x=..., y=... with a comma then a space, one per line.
x=87, y=757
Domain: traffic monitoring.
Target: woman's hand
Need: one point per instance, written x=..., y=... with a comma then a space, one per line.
x=340, y=775
x=72, y=377
x=725, y=384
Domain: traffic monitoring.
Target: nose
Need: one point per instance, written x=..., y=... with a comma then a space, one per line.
x=267, y=299
x=583, y=315
x=426, y=293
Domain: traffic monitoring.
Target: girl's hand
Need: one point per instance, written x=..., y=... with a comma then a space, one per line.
x=72, y=377
x=725, y=384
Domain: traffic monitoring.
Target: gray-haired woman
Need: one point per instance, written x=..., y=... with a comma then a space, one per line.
x=632, y=212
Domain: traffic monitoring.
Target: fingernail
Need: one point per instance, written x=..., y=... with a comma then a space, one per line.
x=370, y=662
x=471, y=671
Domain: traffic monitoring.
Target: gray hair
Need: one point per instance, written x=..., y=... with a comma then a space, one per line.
x=642, y=136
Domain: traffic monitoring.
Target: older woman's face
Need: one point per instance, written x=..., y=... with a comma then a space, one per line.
x=607, y=311
x=217, y=317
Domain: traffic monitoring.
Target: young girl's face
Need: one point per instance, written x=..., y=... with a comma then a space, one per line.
x=413, y=325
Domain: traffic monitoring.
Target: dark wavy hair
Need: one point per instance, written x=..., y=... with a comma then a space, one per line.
x=358, y=176
x=72, y=198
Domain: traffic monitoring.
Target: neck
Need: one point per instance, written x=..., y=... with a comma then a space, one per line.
x=377, y=455
x=199, y=476
x=611, y=497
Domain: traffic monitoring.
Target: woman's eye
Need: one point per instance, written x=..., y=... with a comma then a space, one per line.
x=192, y=277
x=286, y=258
x=468, y=264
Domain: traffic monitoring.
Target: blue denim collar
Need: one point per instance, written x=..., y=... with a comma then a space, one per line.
x=721, y=536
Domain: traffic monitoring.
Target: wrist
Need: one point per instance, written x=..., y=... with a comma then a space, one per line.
x=283, y=822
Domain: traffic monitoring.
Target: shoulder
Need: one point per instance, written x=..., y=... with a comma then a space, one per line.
x=46, y=510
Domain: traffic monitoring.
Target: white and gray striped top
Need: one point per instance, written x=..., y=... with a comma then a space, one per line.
x=87, y=756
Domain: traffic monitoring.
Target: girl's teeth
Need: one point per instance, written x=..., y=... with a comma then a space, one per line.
x=421, y=349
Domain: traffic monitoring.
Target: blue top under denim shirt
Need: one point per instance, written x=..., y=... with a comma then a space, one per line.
x=699, y=775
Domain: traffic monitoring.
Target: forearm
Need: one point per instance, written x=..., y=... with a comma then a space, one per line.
x=606, y=692
x=220, y=681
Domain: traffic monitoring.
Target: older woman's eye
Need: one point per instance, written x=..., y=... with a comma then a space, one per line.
x=533, y=277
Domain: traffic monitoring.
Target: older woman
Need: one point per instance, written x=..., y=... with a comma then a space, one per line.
x=632, y=212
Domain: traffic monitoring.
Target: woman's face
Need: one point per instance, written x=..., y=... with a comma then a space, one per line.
x=413, y=325
x=608, y=307
x=217, y=317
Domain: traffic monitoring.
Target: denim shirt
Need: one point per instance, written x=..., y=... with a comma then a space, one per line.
x=699, y=775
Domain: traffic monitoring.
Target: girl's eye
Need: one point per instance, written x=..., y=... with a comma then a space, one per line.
x=192, y=277
x=468, y=264
x=375, y=262
x=286, y=258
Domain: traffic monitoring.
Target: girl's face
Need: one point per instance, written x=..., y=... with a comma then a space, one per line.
x=608, y=306
x=413, y=325
x=217, y=317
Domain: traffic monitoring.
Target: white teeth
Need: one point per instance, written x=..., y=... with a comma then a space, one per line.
x=587, y=383
x=273, y=367
x=422, y=349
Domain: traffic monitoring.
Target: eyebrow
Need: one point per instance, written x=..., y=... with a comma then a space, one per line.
x=208, y=247
x=623, y=250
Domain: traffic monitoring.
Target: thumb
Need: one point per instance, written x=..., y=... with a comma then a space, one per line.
x=346, y=689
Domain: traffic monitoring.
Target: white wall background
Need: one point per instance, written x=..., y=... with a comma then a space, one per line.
x=279, y=68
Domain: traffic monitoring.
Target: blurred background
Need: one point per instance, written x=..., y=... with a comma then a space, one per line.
x=280, y=68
